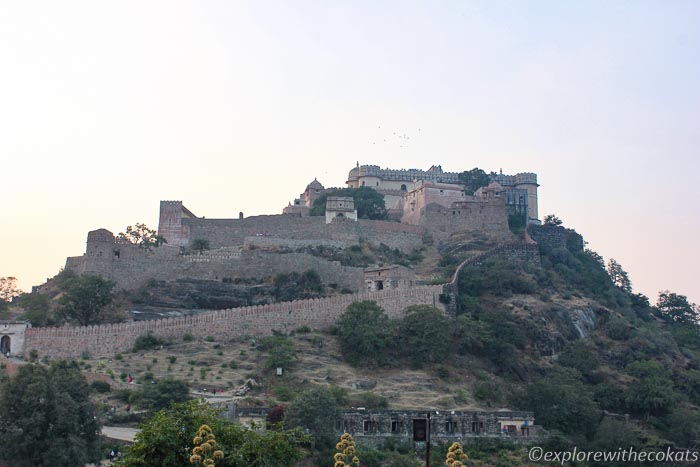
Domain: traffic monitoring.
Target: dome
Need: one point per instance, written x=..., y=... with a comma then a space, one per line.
x=315, y=185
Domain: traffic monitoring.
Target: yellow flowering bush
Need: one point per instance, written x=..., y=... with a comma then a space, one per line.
x=456, y=456
x=204, y=451
x=345, y=457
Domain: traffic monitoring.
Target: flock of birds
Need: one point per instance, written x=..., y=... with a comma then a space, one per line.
x=397, y=138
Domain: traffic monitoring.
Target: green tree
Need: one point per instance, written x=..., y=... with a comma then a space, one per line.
x=84, y=298
x=8, y=289
x=677, y=307
x=47, y=419
x=580, y=356
x=314, y=410
x=161, y=394
x=613, y=434
x=424, y=334
x=200, y=245
x=551, y=219
x=368, y=202
x=295, y=286
x=142, y=236
x=166, y=439
x=280, y=351
x=652, y=393
x=619, y=276
x=474, y=179
x=366, y=335
x=37, y=308
x=561, y=401
x=595, y=257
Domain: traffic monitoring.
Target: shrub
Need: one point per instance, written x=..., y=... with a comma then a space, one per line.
x=280, y=351
x=147, y=342
x=100, y=386
x=424, y=335
x=366, y=335
x=188, y=337
x=161, y=395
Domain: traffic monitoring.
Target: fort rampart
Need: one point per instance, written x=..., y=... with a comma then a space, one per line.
x=233, y=232
x=109, y=339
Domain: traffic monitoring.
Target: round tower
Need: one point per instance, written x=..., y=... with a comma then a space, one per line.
x=528, y=181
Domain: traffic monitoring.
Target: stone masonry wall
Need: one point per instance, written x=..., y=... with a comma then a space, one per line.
x=556, y=236
x=515, y=252
x=489, y=218
x=107, y=340
x=233, y=232
x=250, y=243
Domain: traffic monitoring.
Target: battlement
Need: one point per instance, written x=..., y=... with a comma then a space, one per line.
x=259, y=320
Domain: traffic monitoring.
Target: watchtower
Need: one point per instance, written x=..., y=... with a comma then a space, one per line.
x=340, y=207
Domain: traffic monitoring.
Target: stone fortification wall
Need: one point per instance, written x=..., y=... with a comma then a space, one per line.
x=106, y=340
x=251, y=243
x=486, y=217
x=165, y=263
x=556, y=236
x=515, y=252
x=233, y=232
x=257, y=263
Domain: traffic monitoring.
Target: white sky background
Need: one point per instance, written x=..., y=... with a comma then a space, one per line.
x=108, y=107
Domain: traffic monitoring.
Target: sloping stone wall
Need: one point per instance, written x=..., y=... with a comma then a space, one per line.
x=107, y=340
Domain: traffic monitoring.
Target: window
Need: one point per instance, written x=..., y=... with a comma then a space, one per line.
x=449, y=427
x=420, y=429
x=403, y=187
x=395, y=426
x=368, y=426
x=477, y=427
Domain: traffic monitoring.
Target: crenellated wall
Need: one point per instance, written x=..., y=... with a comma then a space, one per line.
x=107, y=340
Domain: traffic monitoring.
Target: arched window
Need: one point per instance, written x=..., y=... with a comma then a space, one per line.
x=403, y=187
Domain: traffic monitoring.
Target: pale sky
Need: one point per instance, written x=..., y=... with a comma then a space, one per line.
x=106, y=108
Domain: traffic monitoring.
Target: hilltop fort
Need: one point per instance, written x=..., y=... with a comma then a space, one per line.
x=429, y=212
x=422, y=204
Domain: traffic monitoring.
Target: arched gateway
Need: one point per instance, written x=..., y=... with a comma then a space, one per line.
x=12, y=337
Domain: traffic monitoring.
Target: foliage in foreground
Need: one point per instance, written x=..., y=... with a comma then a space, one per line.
x=166, y=439
x=314, y=410
x=46, y=418
x=345, y=457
